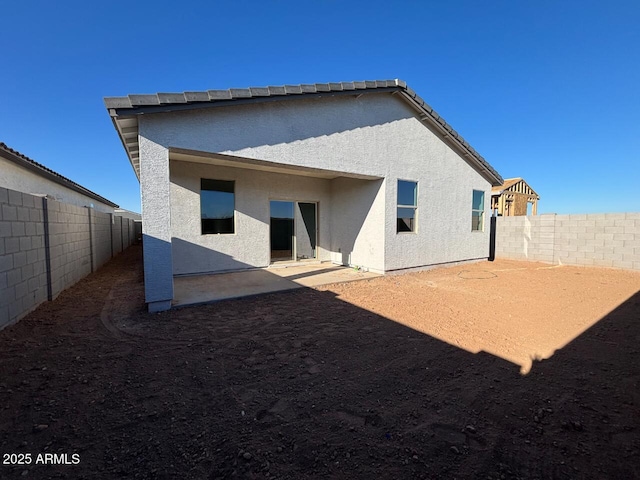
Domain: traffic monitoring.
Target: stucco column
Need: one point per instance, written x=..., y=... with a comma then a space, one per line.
x=156, y=224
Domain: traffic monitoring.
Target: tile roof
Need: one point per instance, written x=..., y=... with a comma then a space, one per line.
x=24, y=161
x=158, y=99
x=137, y=104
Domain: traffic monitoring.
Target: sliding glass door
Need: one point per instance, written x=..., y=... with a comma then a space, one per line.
x=281, y=231
x=293, y=230
x=305, y=228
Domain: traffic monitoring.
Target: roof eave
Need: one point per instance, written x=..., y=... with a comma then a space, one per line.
x=455, y=139
x=114, y=119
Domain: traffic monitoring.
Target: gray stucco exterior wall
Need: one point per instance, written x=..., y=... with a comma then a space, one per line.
x=357, y=227
x=156, y=228
x=246, y=248
x=375, y=135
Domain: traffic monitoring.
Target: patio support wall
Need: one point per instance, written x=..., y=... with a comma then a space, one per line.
x=47, y=246
x=156, y=229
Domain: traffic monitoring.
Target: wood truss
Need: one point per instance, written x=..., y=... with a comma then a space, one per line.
x=512, y=198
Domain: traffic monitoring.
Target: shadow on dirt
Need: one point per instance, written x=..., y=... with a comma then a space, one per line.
x=303, y=385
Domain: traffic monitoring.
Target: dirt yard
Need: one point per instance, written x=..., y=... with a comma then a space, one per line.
x=490, y=370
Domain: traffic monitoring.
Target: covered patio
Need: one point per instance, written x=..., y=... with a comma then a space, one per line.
x=201, y=289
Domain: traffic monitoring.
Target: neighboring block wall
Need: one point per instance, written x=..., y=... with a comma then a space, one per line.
x=526, y=238
x=70, y=245
x=47, y=246
x=606, y=240
x=116, y=235
x=126, y=233
x=23, y=273
x=101, y=236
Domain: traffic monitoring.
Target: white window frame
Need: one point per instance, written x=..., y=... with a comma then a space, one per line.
x=414, y=207
x=473, y=210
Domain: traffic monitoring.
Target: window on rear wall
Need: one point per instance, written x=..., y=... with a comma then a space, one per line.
x=477, y=211
x=217, y=206
x=407, y=206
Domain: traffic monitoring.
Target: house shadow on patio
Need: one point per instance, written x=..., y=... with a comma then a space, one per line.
x=248, y=281
x=201, y=289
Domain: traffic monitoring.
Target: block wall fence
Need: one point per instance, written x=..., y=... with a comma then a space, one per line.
x=47, y=246
x=603, y=240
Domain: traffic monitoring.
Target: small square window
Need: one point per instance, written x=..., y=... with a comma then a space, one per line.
x=477, y=211
x=407, y=206
x=217, y=206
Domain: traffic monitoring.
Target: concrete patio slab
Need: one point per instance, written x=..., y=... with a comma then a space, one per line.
x=197, y=289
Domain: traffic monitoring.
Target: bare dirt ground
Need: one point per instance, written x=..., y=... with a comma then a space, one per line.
x=490, y=370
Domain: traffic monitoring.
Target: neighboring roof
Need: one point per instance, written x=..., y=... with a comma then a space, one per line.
x=128, y=214
x=509, y=183
x=124, y=110
x=26, y=162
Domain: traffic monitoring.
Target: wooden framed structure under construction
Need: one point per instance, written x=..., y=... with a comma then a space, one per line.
x=513, y=197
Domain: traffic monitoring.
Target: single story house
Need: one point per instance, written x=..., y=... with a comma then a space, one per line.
x=363, y=174
x=22, y=174
x=514, y=198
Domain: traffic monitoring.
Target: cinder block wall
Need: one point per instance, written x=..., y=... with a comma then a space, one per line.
x=116, y=235
x=101, y=224
x=70, y=245
x=47, y=246
x=605, y=240
x=23, y=272
x=125, y=233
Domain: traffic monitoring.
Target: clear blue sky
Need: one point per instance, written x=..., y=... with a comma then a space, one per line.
x=545, y=90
